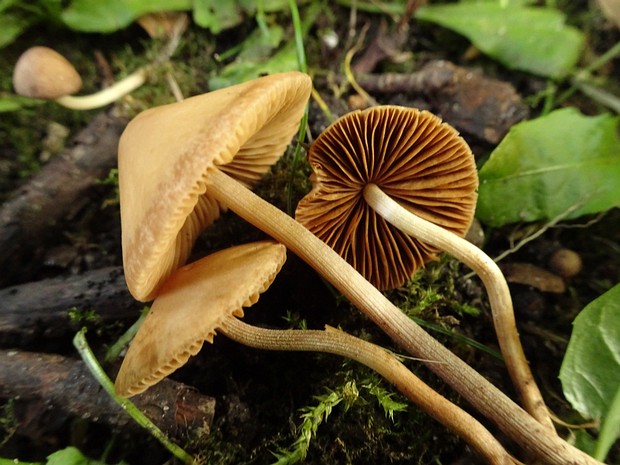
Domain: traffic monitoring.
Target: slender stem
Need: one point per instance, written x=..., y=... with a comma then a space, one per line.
x=493, y=280
x=80, y=343
x=123, y=341
x=378, y=359
x=303, y=67
x=107, y=95
x=485, y=397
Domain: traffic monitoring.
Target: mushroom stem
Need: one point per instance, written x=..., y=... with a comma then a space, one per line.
x=493, y=280
x=484, y=396
x=105, y=96
x=381, y=361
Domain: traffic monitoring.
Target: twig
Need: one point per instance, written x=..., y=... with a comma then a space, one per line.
x=49, y=386
x=42, y=309
x=36, y=211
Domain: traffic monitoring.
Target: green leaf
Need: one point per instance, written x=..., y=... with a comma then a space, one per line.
x=112, y=15
x=68, y=456
x=533, y=39
x=562, y=164
x=217, y=15
x=72, y=456
x=590, y=372
x=11, y=27
x=254, y=60
x=12, y=102
x=610, y=429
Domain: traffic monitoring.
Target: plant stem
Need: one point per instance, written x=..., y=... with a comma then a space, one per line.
x=80, y=343
x=381, y=361
x=303, y=67
x=115, y=349
x=485, y=397
x=107, y=95
x=494, y=282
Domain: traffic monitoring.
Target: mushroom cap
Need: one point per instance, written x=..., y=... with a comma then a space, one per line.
x=41, y=72
x=165, y=155
x=190, y=308
x=412, y=156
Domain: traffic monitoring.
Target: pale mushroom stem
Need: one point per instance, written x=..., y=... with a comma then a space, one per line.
x=493, y=280
x=381, y=361
x=107, y=95
x=486, y=398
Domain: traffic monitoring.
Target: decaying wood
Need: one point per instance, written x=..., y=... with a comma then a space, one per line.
x=51, y=389
x=40, y=310
x=37, y=209
x=465, y=98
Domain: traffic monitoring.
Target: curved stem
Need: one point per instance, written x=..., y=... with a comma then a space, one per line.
x=485, y=397
x=381, y=361
x=493, y=280
x=80, y=343
x=107, y=95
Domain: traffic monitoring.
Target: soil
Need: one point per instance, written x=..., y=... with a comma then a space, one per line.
x=75, y=240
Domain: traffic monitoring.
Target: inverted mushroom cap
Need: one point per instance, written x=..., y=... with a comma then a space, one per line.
x=41, y=72
x=190, y=308
x=416, y=159
x=166, y=153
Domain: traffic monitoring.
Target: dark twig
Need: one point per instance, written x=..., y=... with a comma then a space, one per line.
x=61, y=388
x=29, y=312
x=470, y=101
x=36, y=210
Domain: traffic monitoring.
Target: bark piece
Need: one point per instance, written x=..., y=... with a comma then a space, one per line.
x=467, y=99
x=36, y=210
x=57, y=388
x=529, y=274
x=40, y=310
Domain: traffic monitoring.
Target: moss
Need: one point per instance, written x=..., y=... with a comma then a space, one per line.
x=8, y=422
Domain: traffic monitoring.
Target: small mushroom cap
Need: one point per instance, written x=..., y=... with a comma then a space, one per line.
x=166, y=153
x=414, y=157
x=190, y=308
x=41, y=72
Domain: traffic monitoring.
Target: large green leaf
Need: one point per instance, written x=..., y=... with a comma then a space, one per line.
x=533, y=39
x=562, y=164
x=590, y=372
x=111, y=15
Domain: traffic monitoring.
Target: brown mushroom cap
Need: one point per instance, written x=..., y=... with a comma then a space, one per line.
x=41, y=72
x=415, y=158
x=166, y=153
x=190, y=308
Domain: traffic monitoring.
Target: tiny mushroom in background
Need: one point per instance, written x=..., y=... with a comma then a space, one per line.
x=208, y=297
x=393, y=186
x=43, y=73
x=565, y=262
x=182, y=164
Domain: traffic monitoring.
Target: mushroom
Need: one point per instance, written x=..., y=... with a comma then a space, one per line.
x=168, y=154
x=177, y=170
x=43, y=73
x=207, y=297
x=393, y=186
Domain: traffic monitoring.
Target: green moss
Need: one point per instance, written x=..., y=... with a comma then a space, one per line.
x=8, y=422
x=80, y=317
x=432, y=293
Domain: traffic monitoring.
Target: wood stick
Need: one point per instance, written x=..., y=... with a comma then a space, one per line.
x=36, y=210
x=63, y=387
x=466, y=98
x=29, y=312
